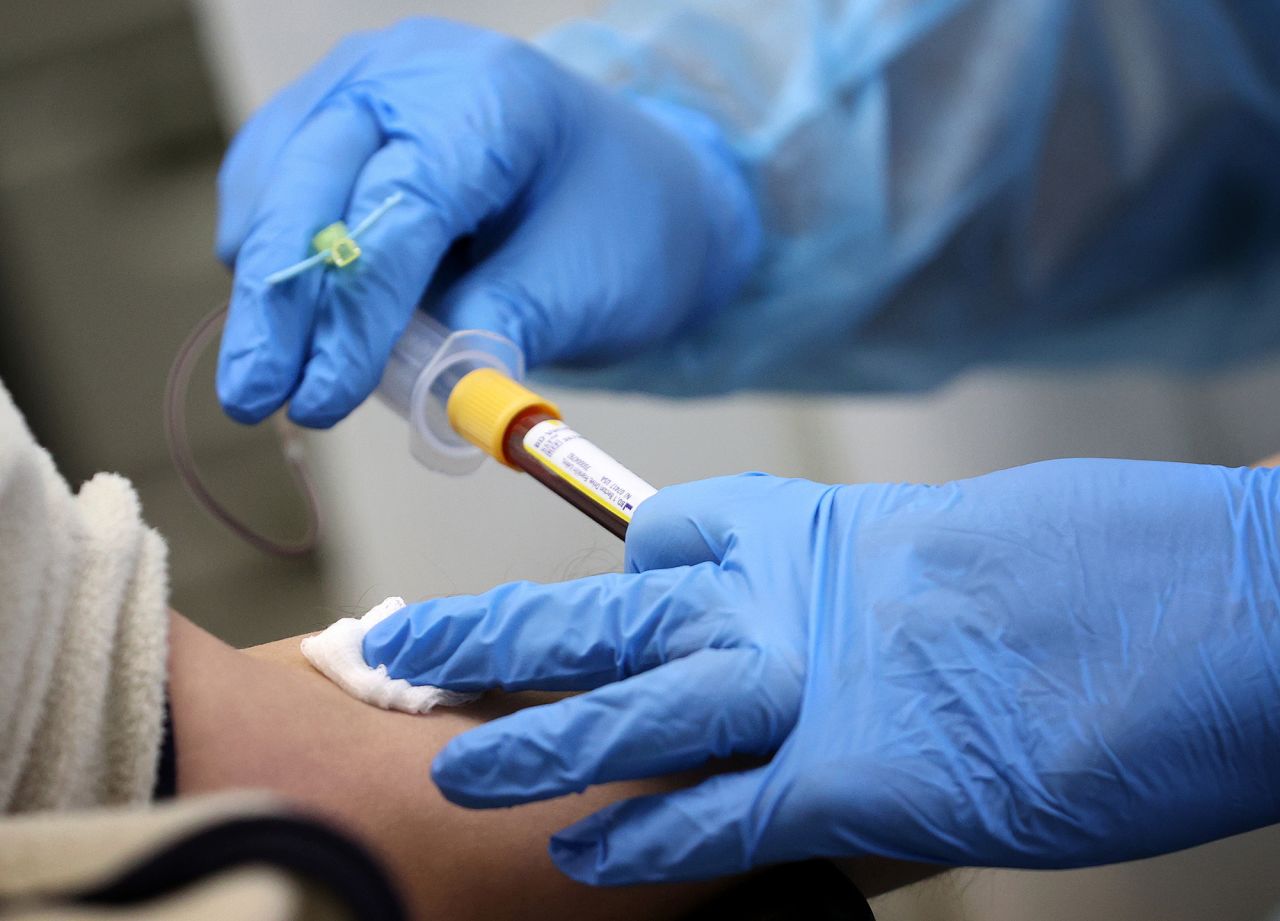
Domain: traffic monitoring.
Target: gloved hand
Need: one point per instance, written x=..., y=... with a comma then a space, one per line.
x=595, y=224
x=1062, y=664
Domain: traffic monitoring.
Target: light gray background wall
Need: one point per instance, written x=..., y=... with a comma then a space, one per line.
x=393, y=528
x=109, y=144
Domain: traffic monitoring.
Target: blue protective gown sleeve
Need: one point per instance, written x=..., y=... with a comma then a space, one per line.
x=944, y=182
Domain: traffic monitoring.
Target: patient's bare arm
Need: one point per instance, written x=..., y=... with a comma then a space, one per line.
x=262, y=718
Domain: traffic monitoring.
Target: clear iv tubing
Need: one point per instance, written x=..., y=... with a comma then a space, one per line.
x=175, y=431
x=425, y=365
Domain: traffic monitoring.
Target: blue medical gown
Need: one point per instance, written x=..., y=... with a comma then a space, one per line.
x=948, y=182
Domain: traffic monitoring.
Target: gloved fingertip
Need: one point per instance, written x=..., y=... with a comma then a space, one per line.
x=578, y=852
x=333, y=385
x=245, y=392
x=383, y=641
x=244, y=413
x=464, y=776
x=576, y=859
x=323, y=400
x=316, y=416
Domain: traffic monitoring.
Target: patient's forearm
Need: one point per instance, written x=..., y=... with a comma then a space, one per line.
x=262, y=718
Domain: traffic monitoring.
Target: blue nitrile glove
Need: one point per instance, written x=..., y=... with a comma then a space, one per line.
x=596, y=224
x=1068, y=663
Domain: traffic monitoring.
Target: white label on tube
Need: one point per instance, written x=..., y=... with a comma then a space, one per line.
x=573, y=458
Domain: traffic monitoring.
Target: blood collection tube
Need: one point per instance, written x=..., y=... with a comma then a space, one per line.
x=522, y=430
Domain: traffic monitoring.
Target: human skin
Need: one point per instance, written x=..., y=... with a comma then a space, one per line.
x=262, y=718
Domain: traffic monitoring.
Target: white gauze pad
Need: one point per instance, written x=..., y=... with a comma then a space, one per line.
x=338, y=654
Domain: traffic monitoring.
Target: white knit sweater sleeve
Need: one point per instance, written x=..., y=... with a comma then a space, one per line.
x=83, y=634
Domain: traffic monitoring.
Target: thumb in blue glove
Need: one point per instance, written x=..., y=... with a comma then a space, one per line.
x=1064, y=664
x=591, y=224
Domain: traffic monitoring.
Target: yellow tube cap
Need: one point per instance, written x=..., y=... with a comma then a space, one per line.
x=483, y=404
